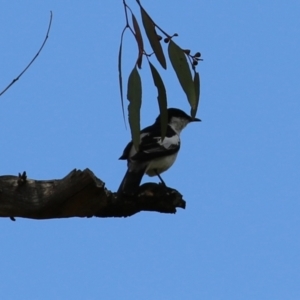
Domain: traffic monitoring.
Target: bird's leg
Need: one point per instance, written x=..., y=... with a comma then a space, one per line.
x=162, y=182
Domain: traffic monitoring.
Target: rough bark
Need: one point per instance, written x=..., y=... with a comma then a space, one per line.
x=79, y=194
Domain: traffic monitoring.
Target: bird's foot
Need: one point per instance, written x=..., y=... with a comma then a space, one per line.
x=161, y=180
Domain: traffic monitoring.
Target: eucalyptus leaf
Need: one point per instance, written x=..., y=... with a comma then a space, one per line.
x=162, y=99
x=153, y=38
x=134, y=95
x=120, y=74
x=181, y=67
x=197, y=91
x=139, y=40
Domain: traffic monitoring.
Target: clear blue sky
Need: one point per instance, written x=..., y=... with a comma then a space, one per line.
x=238, y=170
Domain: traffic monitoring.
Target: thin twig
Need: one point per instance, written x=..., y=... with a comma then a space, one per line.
x=130, y=28
x=127, y=20
x=44, y=42
x=126, y=16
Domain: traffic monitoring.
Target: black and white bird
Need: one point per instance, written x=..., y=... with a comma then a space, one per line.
x=154, y=155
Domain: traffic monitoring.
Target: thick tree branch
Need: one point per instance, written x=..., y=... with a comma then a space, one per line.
x=79, y=194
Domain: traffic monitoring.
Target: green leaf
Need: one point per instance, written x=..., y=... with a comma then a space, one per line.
x=197, y=91
x=162, y=100
x=153, y=38
x=120, y=74
x=139, y=40
x=183, y=72
x=134, y=95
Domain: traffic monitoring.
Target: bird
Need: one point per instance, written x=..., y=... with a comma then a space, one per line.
x=154, y=155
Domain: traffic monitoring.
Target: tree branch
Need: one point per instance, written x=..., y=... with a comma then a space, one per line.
x=34, y=58
x=79, y=194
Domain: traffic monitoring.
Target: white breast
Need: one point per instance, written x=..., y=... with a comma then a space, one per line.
x=160, y=164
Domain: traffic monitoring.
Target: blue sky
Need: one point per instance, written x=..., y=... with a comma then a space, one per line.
x=238, y=170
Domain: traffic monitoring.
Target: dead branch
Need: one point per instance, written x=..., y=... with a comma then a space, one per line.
x=79, y=194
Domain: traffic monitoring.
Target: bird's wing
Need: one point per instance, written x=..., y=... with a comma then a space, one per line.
x=126, y=151
x=152, y=146
x=129, y=150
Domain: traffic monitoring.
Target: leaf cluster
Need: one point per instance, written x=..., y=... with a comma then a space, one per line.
x=183, y=63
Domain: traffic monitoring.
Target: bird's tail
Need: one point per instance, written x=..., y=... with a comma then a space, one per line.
x=131, y=182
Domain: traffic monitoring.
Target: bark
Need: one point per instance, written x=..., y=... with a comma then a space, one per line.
x=79, y=194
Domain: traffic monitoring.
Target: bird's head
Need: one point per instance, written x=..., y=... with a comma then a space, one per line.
x=178, y=119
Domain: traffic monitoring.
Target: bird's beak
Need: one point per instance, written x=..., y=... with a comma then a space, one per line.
x=195, y=120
